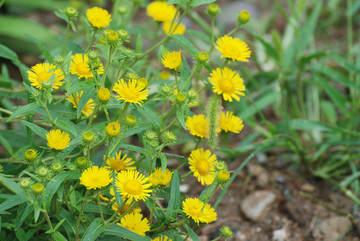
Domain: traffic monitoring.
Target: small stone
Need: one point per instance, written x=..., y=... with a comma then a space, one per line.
x=280, y=234
x=184, y=188
x=307, y=187
x=257, y=205
x=262, y=176
x=330, y=228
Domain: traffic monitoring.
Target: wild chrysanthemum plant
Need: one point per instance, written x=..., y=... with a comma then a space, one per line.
x=104, y=115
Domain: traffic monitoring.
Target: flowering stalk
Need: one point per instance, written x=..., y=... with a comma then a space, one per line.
x=80, y=214
x=214, y=105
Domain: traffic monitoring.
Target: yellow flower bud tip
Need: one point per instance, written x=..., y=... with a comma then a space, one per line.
x=203, y=57
x=104, y=95
x=220, y=165
x=244, y=17
x=213, y=10
x=88, y=136
x=130, y=121
x=71, y=12
x=223, y=176
x=122, y=9
x=123, y=34
x=25, y=182
x=112, y=37
x=42, y=171
x=142, y=82
x=164, y=75
x=81, y=161
x=113, y=129
x=31, y=155
x=180, y=98
x=226, y=232
x=38, y=188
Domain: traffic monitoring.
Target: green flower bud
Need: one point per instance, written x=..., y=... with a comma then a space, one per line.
x=132, y=75
x=84, y=219
x=222, y=176
x=92, y=54
x=71, y=12
x=203, y=57
x=180, y=98
x=154, y=143
x=81, y=162
x=112, y=37
x=122, y=10
x=220, y=165
x=57, y=167
x=243, y=17
x=25, y=182
x=151, y=136
x=102, y=40
x=88, y=136
x=38, y=188
x=226, y=232
x=31, y=155
x=130, y=121
x=212, y=10
x=43, y=171
x=59, y=60
x=166, y=89
x=123, y=35
x=192, y=94
x=46, y=84
x=169, y=137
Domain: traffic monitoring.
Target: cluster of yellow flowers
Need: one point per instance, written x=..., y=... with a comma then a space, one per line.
x=119, y=175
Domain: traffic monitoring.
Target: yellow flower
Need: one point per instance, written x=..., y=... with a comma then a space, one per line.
x=161, y=11
x=158, y=177
x=43, y=72
x=164, y=75
x=228, y=83
x=171, y=60
x=104, y=95
x=198, y=125
x=58, y=139
x=75, y=98
x=233, y=48
x=95, y=177
x=113, y=129
x=135, y=222
x=119, y=163
x=162, y=238
x=126, y=206
x=133, y=185
x=80, y=66
x=131, y=92
x=229, y=122
x=202, y=164
x=179, y=30
x=198, y=211
x=98, y=17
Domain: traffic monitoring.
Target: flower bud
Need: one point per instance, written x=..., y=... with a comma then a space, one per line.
x=243, y=17
x=203, y=57
x=46, y=84
x=31, y=155
x=123, y=35
x=180, y=98
x=142, y=82
x=92, y=54
x=220, y=165
x=169, y=137
x=130, y=121
x=81, y=162
x=38, y=188
x=71, y=12
x=222, y=176
x=59, y=60
x=113, y=129
x=88, y=136
x=192, y=94
x=102, y=40
x=132, y=75
x=112, y=37
x=166, y=89
x=212, y=10
x=164, y=75
x=226, y=232
x=42, y=171
x=154, y=143
x=25, y=182
x=84, y=219
x=122, y=10
x=104, y=95
x=151, y=136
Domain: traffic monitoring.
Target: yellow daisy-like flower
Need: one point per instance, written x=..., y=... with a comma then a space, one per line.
x=135, y=222
x=119, y=163
x=80, y=66
x=179, y=30
x=57, y=139
x=198, y=125
x=162, y=238
x=228, y=83
x=43, y=72
x=229, y=122
x=158, y=177
x=172, y=60
x=131, y=92
x=133, y=185
x=161, y=11
x=202, y=164
x=75, y=98
x=198, y=211
x=98, y=17
x=233, y=48
x=95, y=177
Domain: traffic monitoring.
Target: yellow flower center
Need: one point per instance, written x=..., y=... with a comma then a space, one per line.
x=82, y=68
x=118, y=165
x=133, y=187
x=131, y=94
x=203, y=167
x=231, y=50
x=226, y=85
x=201, y=128
x=195, y=212
x=44, y=76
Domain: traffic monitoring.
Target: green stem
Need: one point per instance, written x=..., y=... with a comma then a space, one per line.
x=186, y=175
x=97, y=106
x=100, y=208
x=234, y=30
x=123, y=112
x=66, y=36
x=107, y=151
x=111, y=53
x=156, y=33
x=195, y=69
x=92, y=40
x=162, y=115
x=153, y=208
x=47, y=215
x=80, y=214
x=117, y=142
x=212, y=35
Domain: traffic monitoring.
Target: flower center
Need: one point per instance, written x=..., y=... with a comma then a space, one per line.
x=195, y=212
x=131, y=94
x=44, y=76
x=118, y=165
x=226, y=85
x=203, y=167
x=201, y=128
x=83, y=68
x=231, y=50
x=133, y=187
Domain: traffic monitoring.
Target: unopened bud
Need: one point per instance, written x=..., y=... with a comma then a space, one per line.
x=88, y=136
x=226, y=232
x=212, y=10
x=123, y=35
x=203, y=57
x=38, y=188
x=243, y=17
x=71, y=12
x=222, y=176
x=104, y=95
x=166, y=89
x=81, y=162
x=31, y=155
x=113, y=129
x=130, y=121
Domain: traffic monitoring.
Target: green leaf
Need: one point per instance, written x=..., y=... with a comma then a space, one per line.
x=199, y=35
x=164, y=161
x=21, y=218
x=7, y=53
x=149, y=115
x=142, y=127
x=196, y=3
x=42, y=48
x=12, y=186
x=59, y=237
x=12, y=202
x=85, y=97
x=271, y=51
x=259, y=105
x=36, y=129
x=139, y=43
x=303, y=125
x=24, y=110
x=94, y=230
x=55, y=183
x=182, y=2
x=184, y=42
x=174, y=202
x=345, y=64
x=81, y=86
x=191, y=232
x=37, y=210
x=59, y=224
x=180, y=117
x=122, y=232
x=7, y=145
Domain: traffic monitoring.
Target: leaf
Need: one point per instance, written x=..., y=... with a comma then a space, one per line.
x=139, y=43
x=122, y=232
x=85, y=97
x=37, y=210
x=42, y=48
x=344, y=63
x=7, y=53
x=184, y=42
x=196, y=3
x=80, y=86
x=7, y=145
x=199, y=35
x=36, y=129
x=12, y=186
x=12, y=202
x=55, y=183
x=182, y=2
x=59, y=237
x=94, y=230
x=24, y=110
x=164, y=161
x=149, y=115
x=174, y=201
x=259, y=105
x=303, y=125
x=180, y=117
x=271, y=51
x=21, y=218
x=191, y=232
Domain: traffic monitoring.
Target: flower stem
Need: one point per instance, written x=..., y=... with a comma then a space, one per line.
x=92, y=40
x=66, y=36
x=80, y=213
x=100, y=209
